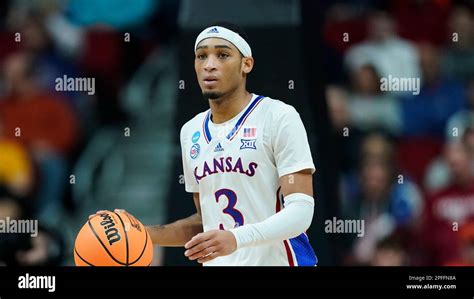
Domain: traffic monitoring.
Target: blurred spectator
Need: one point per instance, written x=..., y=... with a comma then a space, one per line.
x=365, y=108
x=460, y=127
x=346, y=136
x=21, y=248
x=369, y=107
x=50, y=50
x=461, y=120
x=389, y=252
x=67, y=37
x=338, y=106
x=385, y=200
x=44, y=124
x=449, y=209
x=10, y=244
x=49, y=63
x=458, y=56
x=426, y=114
x=16, y=167
x=466, y=236
x=388, y=53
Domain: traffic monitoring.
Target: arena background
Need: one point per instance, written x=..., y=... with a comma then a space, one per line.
x=399, y=160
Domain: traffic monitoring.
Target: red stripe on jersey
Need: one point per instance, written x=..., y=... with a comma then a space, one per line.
x=278, y=204
x=288, y=254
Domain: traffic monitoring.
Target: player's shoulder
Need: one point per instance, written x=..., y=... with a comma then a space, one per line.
x=194, y=123
x=278, y=109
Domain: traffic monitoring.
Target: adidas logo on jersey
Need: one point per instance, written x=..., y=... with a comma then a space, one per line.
x=218, y=148
x=213, y=30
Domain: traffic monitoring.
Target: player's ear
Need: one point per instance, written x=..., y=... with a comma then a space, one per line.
x=247, y=64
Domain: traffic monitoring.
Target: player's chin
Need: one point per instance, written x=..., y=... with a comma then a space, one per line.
x=211, y=94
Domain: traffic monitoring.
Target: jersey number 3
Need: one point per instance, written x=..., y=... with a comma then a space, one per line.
x=230, y=208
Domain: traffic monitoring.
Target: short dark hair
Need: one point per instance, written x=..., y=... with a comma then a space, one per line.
x=236, y=28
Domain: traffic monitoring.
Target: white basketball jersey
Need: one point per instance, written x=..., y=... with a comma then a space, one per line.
x=235, y=167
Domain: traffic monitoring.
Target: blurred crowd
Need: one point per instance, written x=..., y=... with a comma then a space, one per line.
x=406, y=156
x=43, y=130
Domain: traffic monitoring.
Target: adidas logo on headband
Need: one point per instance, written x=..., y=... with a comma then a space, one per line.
x=213, y=30
x=229, y=35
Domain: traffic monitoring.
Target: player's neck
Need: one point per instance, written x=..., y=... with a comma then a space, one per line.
x=228, y=107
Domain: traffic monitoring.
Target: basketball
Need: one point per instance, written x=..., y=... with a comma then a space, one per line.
x=113, y=239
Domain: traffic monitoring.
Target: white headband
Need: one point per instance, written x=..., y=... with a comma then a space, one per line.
x=228, y=35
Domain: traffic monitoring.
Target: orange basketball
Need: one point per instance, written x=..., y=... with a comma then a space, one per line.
x=113, y=239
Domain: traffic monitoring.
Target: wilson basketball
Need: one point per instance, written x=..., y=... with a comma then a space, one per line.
x=113, y=239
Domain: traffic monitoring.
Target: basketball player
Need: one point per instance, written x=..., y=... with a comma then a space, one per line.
x=248, y=164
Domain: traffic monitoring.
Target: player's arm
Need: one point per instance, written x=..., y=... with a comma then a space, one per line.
x=288, y=223
x=177, y=233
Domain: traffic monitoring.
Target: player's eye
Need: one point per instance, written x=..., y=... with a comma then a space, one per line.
x=223, y=55
x=201, y=56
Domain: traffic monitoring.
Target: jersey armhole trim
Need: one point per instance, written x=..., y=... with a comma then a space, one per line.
x=296, y=168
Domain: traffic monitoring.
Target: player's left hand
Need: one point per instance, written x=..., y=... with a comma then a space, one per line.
x=207, y=246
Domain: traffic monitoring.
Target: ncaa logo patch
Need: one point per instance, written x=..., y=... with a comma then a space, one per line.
x=195, y=149
x=195, y=137
x=248, y=143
